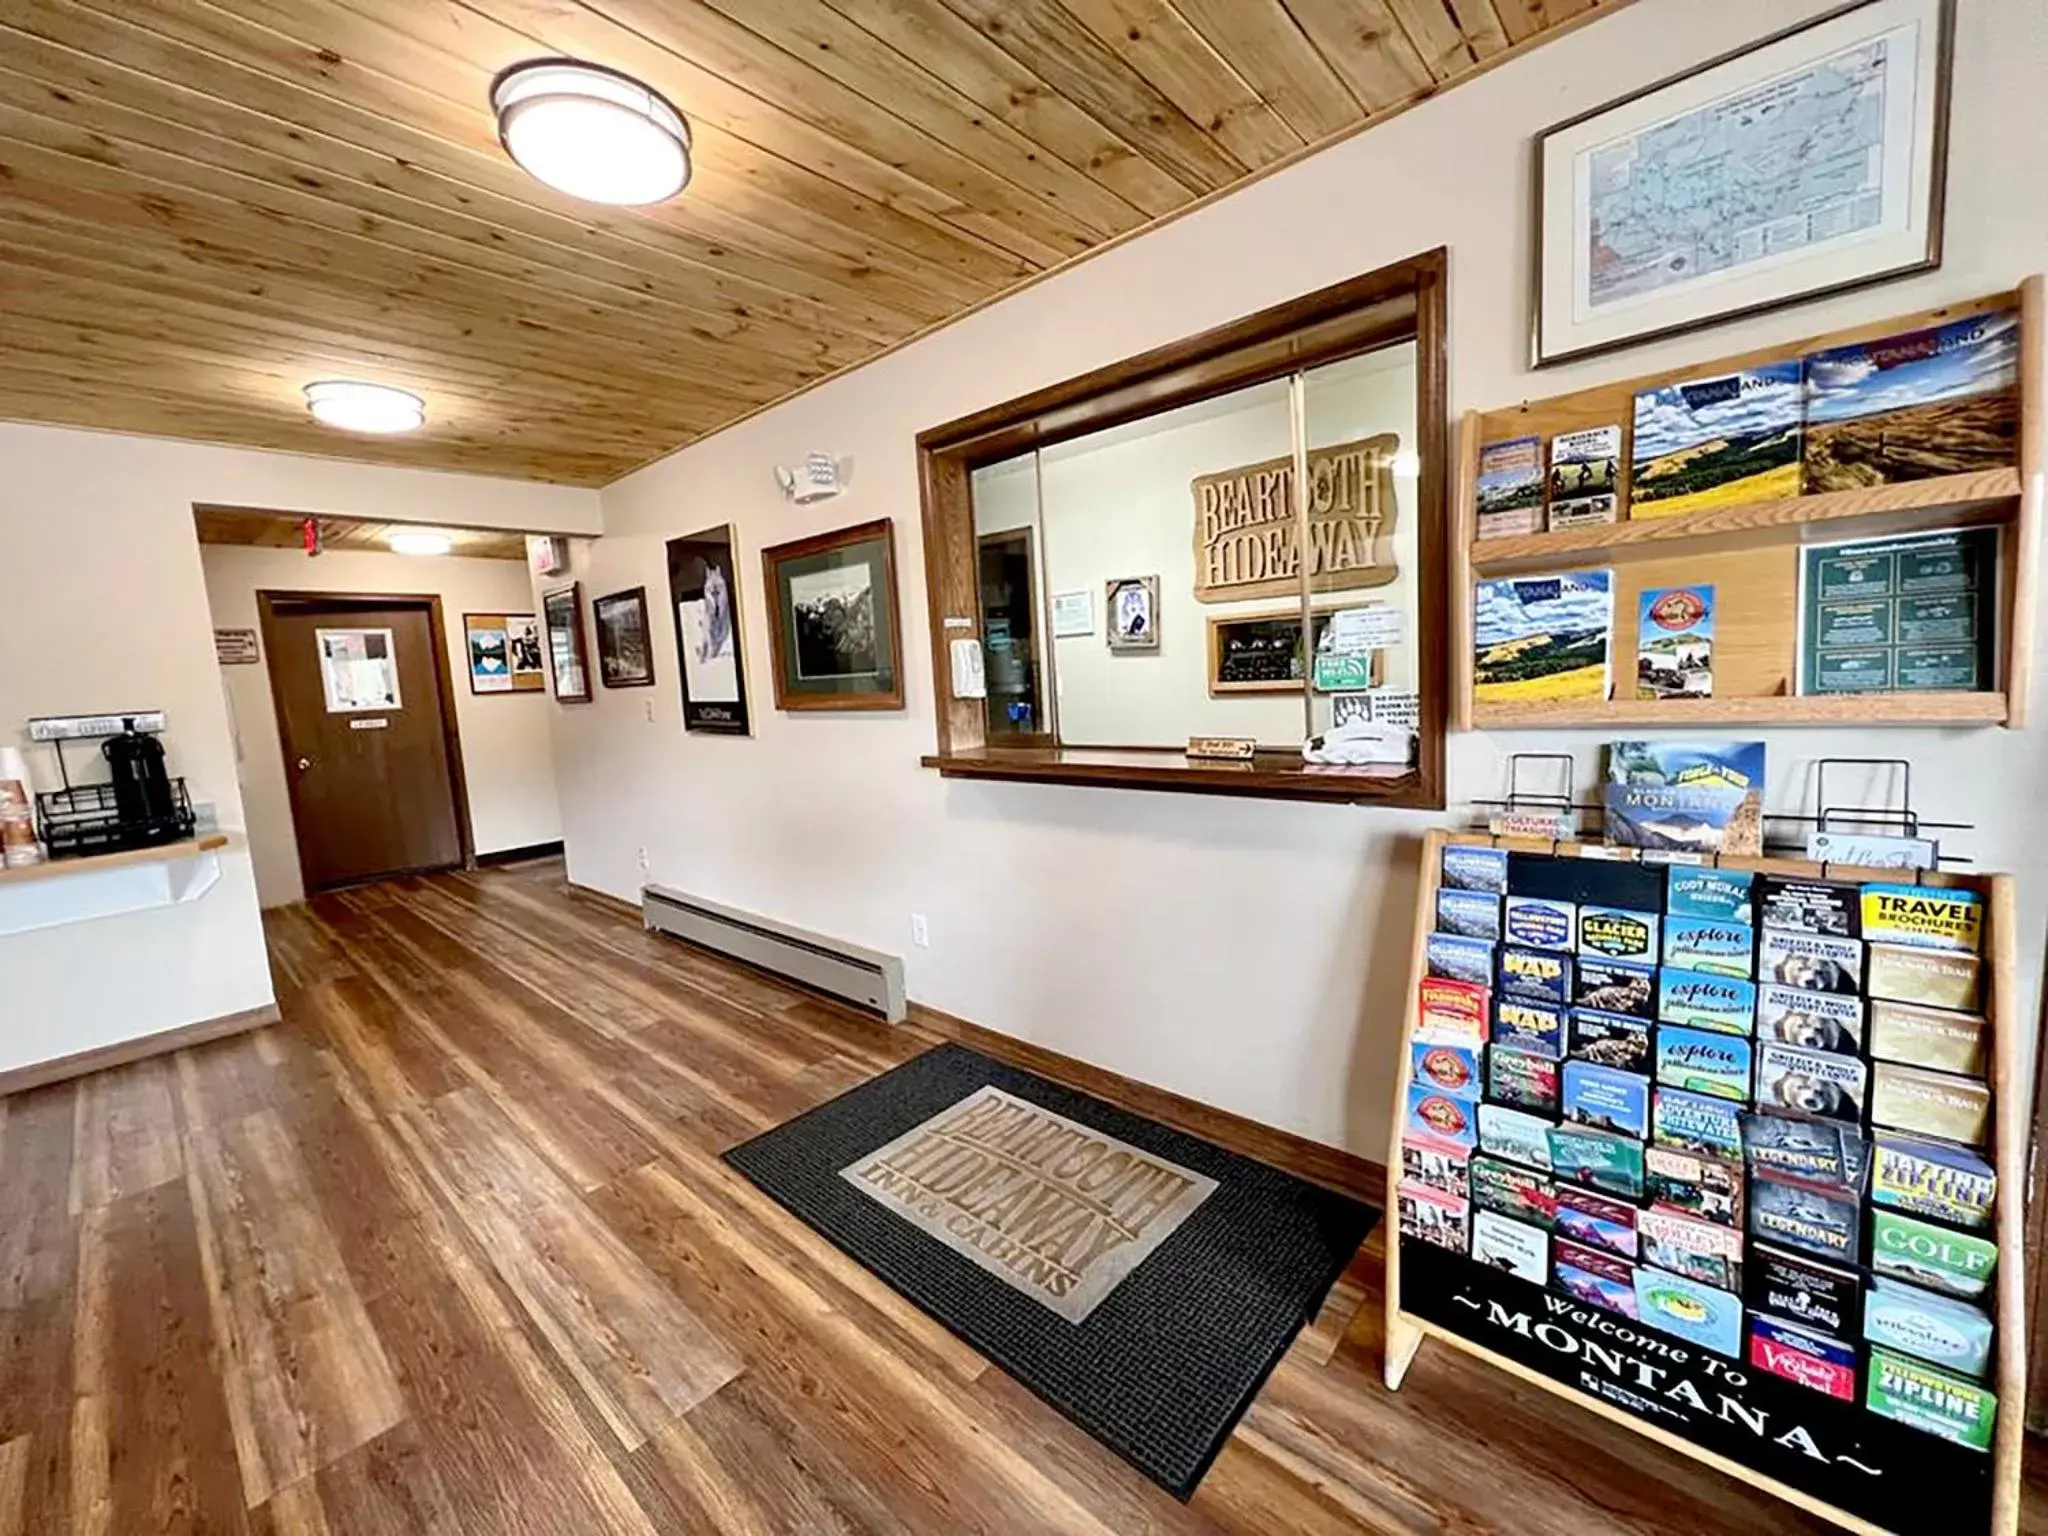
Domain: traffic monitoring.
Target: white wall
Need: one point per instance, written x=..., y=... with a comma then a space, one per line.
x=1249, y=954
x=507, y=748
x=103, y=606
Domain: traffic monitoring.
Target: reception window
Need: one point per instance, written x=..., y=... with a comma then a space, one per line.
x=1232, y=545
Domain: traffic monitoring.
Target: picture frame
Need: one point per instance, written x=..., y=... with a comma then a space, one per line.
x=625, y=641
x=568, y=656
x=833, y=620
x=1131, y=613
x=1609, y=275
x=704, y=602
x=504, y=653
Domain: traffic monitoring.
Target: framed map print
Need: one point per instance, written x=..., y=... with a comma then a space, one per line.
x=1806, y=164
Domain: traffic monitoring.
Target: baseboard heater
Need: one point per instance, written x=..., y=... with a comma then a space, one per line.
x=863, y=976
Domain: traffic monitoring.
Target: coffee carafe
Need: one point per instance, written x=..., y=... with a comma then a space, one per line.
x=142, y=786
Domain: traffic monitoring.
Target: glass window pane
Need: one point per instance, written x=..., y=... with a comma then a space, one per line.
x=1168, y=530
x=1008, y=540
x=1364, y=480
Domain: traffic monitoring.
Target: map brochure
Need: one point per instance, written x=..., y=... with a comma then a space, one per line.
x=1943, y=401
x=1585, y=474
x=1511, y=488
x=1675, y=643
x=1543, y=638
x=1717, y=442
x=1900, y=615
x=1685, y=797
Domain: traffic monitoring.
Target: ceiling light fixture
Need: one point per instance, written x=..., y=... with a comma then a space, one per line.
x=415, y=542
x=592, y=132
x=356, y=407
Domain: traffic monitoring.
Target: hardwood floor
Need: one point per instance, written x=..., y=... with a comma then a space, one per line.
x=450, y=1251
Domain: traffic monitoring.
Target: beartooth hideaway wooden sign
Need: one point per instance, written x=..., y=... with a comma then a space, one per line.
x=1247, y=531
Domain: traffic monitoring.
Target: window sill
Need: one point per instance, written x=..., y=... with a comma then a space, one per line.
x=1272, y=775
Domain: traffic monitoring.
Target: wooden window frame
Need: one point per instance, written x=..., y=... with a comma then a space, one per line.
x=1334, y=323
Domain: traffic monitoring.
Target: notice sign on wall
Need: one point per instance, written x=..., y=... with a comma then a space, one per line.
x=236, y=647
x=1058, y=1210
x=1247, y=532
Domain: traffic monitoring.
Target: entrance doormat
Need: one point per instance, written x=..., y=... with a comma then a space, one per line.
x=1142, y=1281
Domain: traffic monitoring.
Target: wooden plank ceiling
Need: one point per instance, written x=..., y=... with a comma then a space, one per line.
x=285, y=530
x=204, y=204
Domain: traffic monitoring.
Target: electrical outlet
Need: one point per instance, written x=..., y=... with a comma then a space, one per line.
x=920, y=931
x=649, y=704
x=644, y=864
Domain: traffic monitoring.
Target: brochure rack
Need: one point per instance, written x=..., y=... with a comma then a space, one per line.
x=1834, y=1459
x=1751, y=553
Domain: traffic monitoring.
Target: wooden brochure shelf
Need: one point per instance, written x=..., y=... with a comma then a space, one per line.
x=1752, y=554
x=1949, y=501
x=1829, y=1455
x=1845, y=710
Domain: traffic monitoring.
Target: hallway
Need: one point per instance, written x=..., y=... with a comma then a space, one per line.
x=451, y=1251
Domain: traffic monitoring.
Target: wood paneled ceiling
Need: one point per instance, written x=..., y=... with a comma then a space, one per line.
x=205, y=204
x=286, y=530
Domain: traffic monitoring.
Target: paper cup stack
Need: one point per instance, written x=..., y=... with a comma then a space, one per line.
x=18, y=845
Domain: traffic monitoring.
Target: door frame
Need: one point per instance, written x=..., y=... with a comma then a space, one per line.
x=268, y=600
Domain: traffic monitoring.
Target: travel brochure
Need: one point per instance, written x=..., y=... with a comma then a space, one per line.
x=1675, y=643
x=1693, y=1103
x=1543, y=638
x=1685, y=797
x=1717, y=442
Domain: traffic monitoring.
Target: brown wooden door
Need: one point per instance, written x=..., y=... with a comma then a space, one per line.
x=372, y=789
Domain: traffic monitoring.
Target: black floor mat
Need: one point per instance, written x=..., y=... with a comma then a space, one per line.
x=1166, y=1363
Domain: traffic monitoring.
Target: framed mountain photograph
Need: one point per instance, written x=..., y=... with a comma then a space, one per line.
x=833, y=619
x=625, y=649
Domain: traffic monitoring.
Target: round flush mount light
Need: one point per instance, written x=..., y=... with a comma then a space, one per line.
x=358, y=407
x=419, y=542
x=592, y=132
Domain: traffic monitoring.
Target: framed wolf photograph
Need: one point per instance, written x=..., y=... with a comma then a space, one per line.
x=833, y=620
x=704, y=598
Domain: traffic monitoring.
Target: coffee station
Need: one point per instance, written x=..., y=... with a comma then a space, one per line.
x=116, y=812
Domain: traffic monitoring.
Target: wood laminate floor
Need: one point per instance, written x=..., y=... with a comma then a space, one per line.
x=450, y=1253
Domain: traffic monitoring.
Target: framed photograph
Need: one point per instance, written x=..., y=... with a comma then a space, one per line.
x=562, y=612
x=1809, y=163
x=625, y=648
x=704, y=596
x=833, y=618
x=1132, y=604
x=504, y=653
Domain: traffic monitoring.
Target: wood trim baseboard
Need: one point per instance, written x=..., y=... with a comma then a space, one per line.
x=1358, y=1177
x=553, y=850
x=123, y=1052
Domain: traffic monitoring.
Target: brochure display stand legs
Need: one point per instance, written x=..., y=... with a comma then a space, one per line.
x=1730, y=1152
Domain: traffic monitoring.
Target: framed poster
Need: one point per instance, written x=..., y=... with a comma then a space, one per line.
x=1132, y=603
x=358, y=670
x=503, y=652
x=625, y=647
x=562, y=611
x=1809, y=163
x=704, y=597
x=834, y=621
